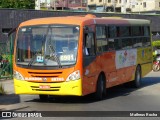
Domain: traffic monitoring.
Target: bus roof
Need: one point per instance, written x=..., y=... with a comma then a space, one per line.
x=87, y=20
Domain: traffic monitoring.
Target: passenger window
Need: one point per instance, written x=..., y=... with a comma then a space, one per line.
x=111, y=44
x=124, y=31
x=136, y=31
x=112, y=31
x=100, y=32
x=127, y=43
x=137, y=42
x=118, y=44
x=146, y=31
x=102, y=43
x=146, y=41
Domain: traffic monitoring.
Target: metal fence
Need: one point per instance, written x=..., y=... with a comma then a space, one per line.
x=6, y=54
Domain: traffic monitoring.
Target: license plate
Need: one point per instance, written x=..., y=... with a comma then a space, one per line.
x=44, y=86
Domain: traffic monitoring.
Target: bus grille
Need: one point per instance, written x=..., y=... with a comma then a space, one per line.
x=45, y=74
x=36, y=88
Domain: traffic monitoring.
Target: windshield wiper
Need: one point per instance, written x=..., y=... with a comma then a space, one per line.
x=54, y=56
x=33, y=58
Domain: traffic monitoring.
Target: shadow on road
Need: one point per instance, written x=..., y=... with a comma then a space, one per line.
x=148, y=81
x=116, y=91
x=9, y=99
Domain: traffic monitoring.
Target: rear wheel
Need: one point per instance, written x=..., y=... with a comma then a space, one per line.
x=137, y=81
x=43, y=97
x=101, y=88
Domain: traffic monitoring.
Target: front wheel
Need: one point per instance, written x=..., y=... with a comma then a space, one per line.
x=156, y=67
x=101, y=88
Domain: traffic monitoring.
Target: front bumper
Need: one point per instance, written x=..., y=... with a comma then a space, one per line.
x=63, y=88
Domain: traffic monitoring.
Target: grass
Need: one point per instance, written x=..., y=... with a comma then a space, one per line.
x=2, y=91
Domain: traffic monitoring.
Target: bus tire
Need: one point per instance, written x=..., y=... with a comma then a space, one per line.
x=43, y=97
x=101, y=88
x=137, y=81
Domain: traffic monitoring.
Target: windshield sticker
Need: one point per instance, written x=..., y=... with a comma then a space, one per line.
x=39, y=58
x=23, y=29
x=77, y=28
x=126, y=58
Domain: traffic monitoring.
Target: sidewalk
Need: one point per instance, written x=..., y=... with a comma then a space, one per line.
x=9, y=98
x=8, y=85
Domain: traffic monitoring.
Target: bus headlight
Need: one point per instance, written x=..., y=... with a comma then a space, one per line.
x=18, y=76
x=73, y=76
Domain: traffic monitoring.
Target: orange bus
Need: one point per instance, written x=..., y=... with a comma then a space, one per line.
x=80, y=55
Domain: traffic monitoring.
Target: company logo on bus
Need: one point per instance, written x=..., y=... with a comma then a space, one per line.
x=44, y=79
x=33, y=79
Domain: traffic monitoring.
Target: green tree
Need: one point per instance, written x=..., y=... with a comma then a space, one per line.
x=19, y=4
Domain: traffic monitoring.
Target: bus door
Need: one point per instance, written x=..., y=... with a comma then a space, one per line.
x=89, y=63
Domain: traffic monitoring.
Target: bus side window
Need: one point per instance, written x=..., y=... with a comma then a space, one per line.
x=89, y=44
x=102, y=43
x=111, y=44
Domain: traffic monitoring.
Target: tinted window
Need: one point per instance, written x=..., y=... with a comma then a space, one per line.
x=112, y=31
x=100, y=32
x=146, y=41
x=146, y=31
x=101, y=39
x=111, y=44
x=124, y=31
x=118, y=44
x=137, y=42
x=126, y=43
x=114, y=44
x=136, y=31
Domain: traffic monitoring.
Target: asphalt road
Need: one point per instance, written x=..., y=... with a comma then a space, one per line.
x=120, y=98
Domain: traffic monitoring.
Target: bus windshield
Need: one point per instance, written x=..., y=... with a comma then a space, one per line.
x=47, y=45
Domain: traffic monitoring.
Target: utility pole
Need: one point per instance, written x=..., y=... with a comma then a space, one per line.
x=54, y=2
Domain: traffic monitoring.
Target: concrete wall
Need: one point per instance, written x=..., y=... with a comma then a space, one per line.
x=10, y=18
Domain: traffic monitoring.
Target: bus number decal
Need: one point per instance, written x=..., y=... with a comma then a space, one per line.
x=67, y=57
x=57, y=79
x=126, y=58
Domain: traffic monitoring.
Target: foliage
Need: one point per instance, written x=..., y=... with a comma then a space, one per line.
x=156, y=43
x=2, y=91
x=19, y=4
